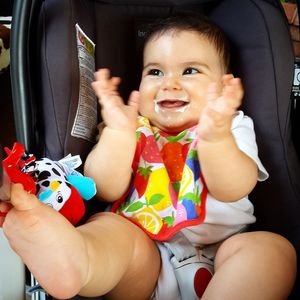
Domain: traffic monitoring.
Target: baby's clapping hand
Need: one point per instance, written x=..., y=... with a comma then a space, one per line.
x=115, y=114
x=216, y=118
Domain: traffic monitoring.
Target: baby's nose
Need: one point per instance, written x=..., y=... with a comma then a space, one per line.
x=171, y=82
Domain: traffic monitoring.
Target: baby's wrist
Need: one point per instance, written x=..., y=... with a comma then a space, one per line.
x=119, y=130
x=215, y=141
x=119, y=133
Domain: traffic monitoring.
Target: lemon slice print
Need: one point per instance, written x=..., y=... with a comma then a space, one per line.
x=149, y=220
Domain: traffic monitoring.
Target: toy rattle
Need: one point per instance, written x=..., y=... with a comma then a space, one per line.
x=55, y=183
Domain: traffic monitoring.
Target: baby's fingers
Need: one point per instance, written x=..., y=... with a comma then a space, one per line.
x=106, y=88
x=233, y=92
x=105, y=81
x=227, y=78
x=221, y=105
x=102, y=74
x=215, y=100
x=134, y=100
x=212, y=92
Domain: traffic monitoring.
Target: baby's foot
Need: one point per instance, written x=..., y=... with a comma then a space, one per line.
x=44, y=239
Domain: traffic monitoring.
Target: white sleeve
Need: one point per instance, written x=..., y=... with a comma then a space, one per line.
x=243, y=131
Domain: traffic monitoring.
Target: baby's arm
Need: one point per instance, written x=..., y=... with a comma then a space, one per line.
x=228, y=172
x=109, y=163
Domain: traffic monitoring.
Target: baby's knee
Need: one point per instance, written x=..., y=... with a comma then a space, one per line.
x=265, y=247
x=279, y=249
x=267, y=244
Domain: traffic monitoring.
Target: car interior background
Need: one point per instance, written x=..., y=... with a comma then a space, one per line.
x=47, y=89
x=10, y=263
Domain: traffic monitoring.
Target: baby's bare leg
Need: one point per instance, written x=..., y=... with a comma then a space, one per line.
x=253, y=265
x=107, y=255
x=125, y=263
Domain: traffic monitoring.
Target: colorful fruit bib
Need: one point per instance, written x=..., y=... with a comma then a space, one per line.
x=167, y=192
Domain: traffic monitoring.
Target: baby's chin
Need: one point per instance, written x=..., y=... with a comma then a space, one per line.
x=173, y=124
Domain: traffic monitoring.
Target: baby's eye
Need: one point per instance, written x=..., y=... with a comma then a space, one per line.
x=155, y=72
x=189, y=71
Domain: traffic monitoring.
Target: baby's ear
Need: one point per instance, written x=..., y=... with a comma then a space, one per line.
x=84, y=185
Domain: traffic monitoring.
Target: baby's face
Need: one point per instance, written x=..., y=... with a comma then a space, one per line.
x=177, y=71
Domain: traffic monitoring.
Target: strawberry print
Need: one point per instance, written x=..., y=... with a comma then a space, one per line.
x=141, y=179
x=150, y=152
x=171, y=154
x=174, y=155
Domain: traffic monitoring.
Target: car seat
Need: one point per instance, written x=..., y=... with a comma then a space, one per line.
x=50, y=86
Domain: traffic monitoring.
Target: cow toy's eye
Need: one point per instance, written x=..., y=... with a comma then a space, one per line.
x=59, y=198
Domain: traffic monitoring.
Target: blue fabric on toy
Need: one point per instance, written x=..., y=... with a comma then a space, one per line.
x=84, y=185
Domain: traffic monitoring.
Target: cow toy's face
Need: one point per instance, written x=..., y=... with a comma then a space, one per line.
x=51, y=182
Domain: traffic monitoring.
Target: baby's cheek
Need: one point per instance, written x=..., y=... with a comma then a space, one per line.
x=146, y=108
x=196, y=109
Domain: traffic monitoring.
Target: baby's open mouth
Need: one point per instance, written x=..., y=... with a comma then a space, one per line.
x=171, y=103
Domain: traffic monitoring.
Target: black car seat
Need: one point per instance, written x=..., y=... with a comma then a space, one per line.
x=47, y=82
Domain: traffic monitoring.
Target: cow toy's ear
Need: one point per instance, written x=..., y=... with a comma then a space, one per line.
x=84, y=185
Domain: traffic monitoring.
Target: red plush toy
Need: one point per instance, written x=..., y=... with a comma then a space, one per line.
x=55, y=183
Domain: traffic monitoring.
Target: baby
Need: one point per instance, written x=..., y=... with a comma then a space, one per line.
x=180, y=160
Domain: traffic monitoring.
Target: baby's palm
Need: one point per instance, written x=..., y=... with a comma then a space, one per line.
x=216, y=118
x=115, y=113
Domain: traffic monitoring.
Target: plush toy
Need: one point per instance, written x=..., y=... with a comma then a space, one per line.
x=56, y=183
x=4, y=47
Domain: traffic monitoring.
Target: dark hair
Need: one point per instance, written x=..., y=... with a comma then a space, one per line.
x=193, y=22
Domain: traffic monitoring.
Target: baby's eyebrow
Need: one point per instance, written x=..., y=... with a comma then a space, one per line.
x=195, y=64
x=152, y=65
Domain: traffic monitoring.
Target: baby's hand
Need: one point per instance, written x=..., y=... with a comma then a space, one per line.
x=115, y=113
x=216, y=118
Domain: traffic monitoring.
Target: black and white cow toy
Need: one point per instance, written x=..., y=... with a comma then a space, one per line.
x=55, y=183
